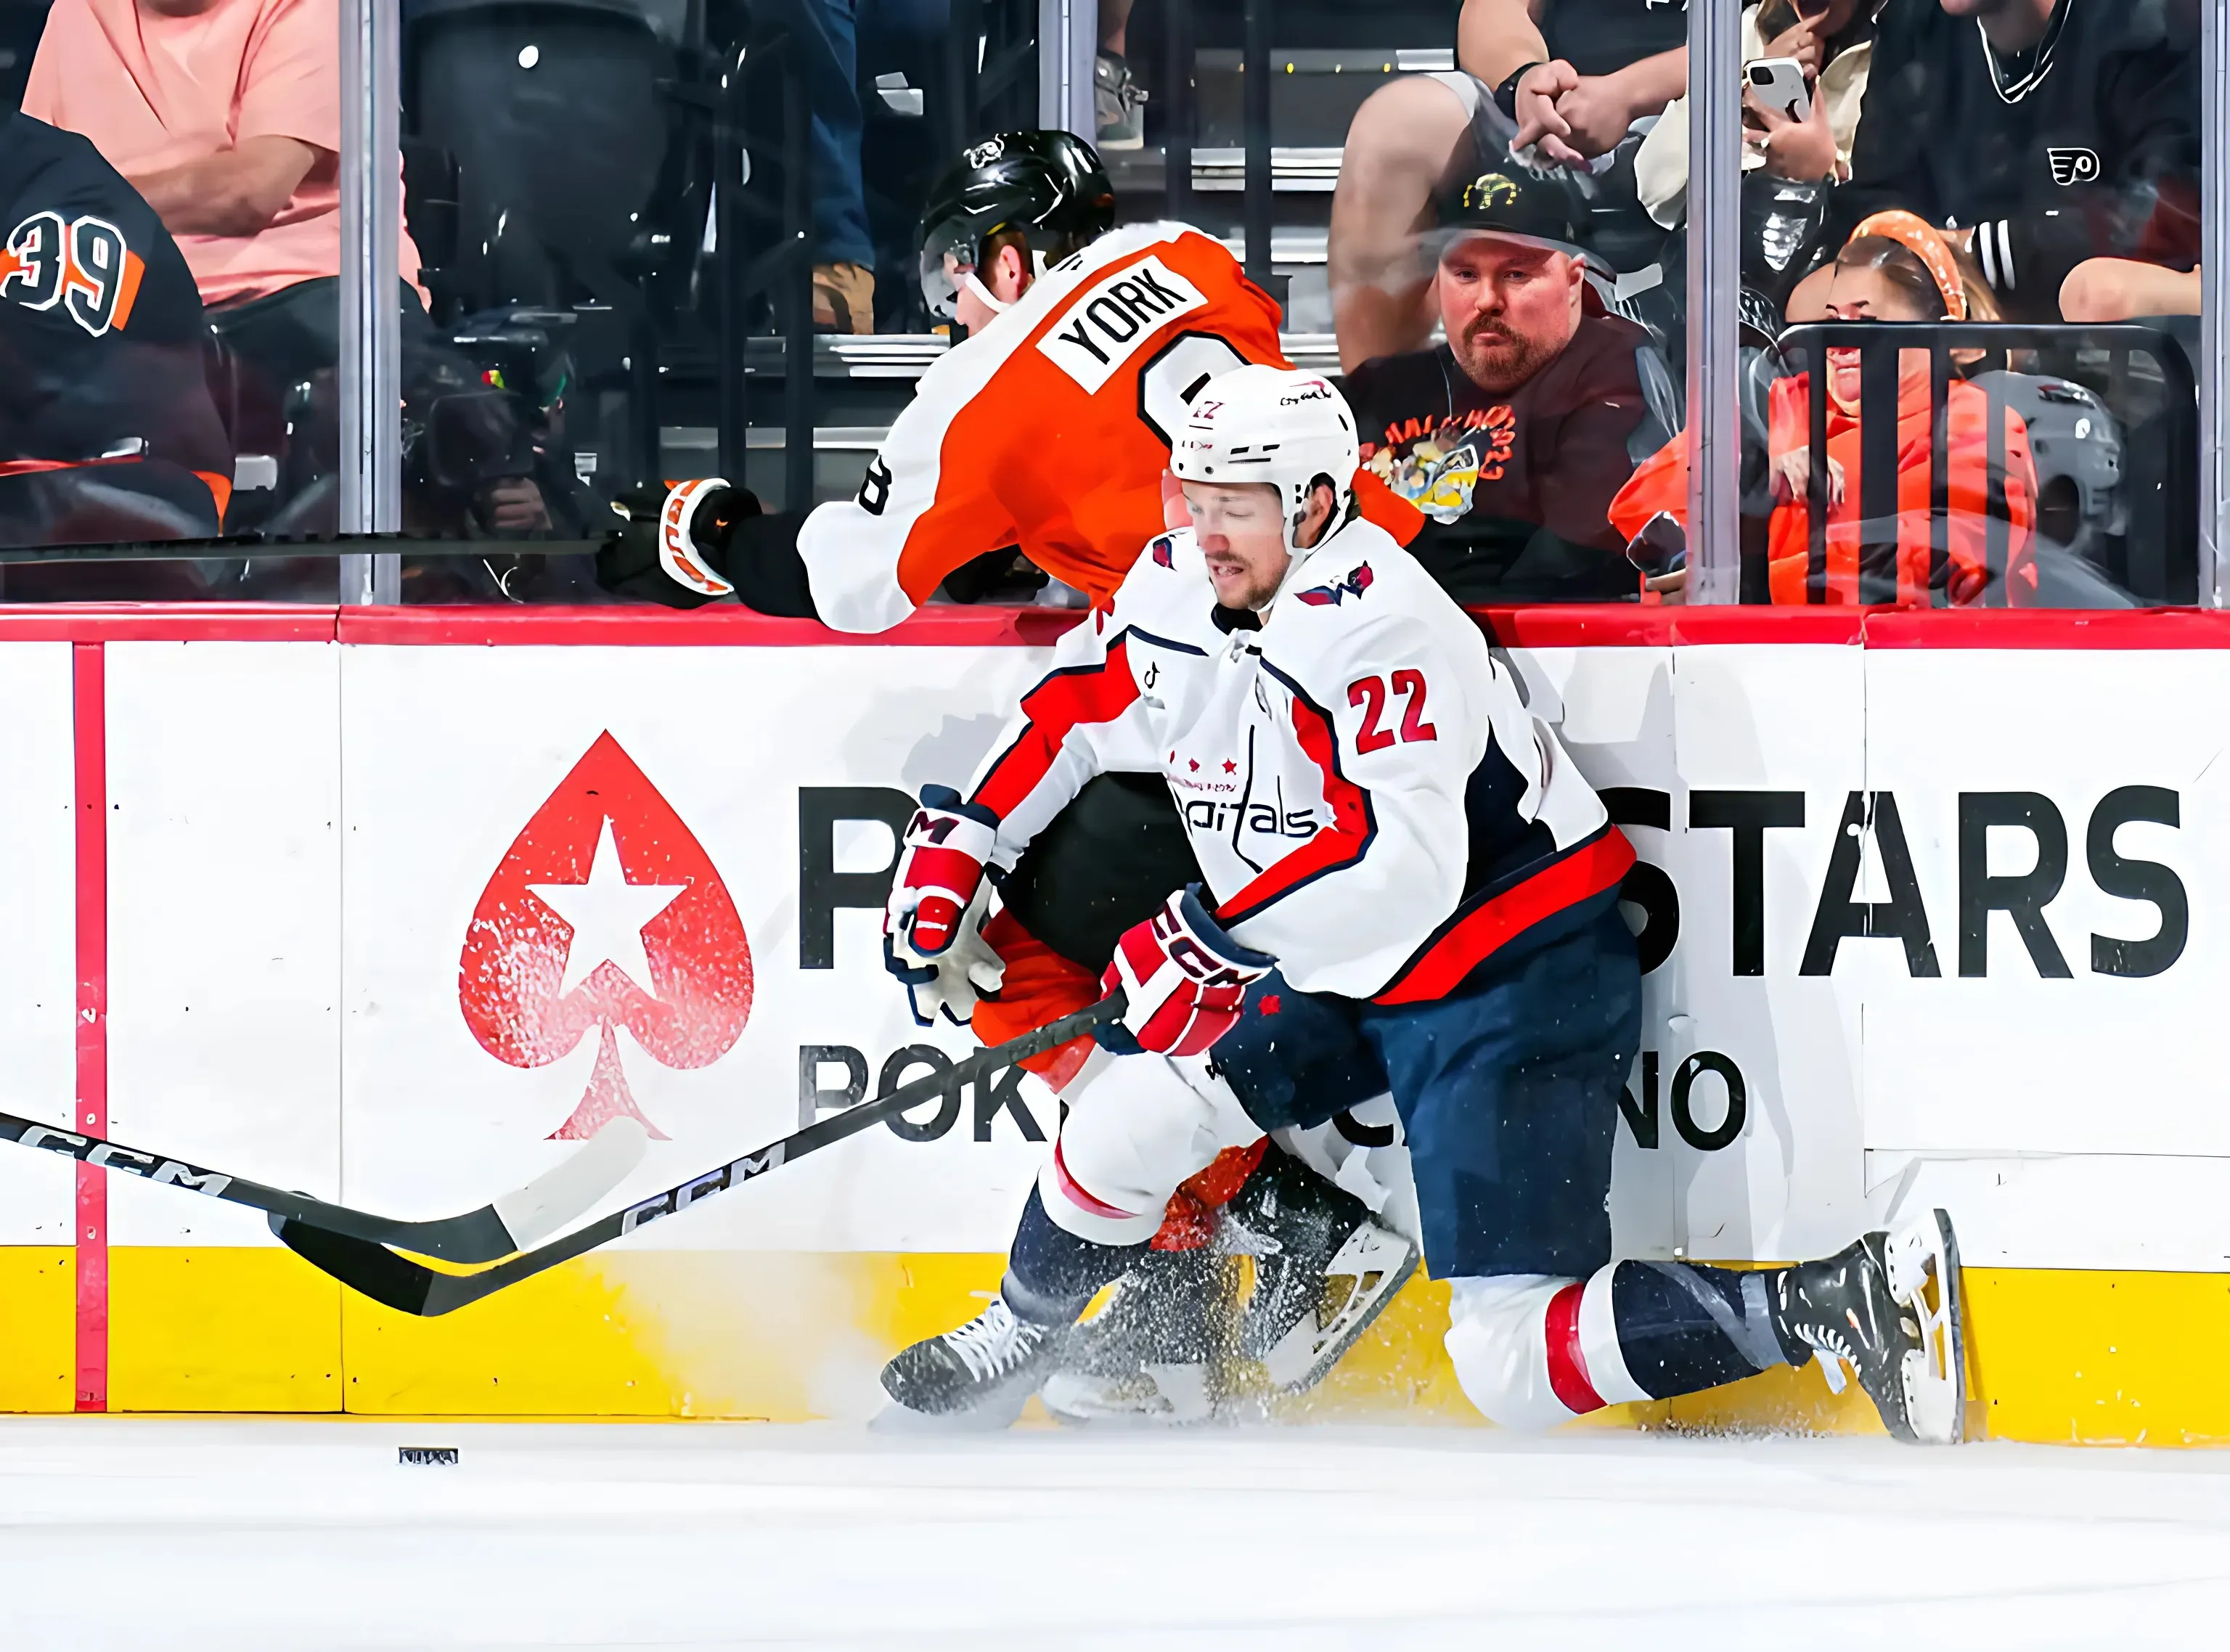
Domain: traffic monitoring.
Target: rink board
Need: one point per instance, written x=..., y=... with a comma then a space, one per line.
x=1932, y=921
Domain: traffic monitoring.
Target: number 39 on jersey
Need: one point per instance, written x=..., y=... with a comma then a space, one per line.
x=82, y=264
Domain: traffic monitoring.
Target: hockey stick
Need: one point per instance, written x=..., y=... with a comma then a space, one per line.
x=519, y=1219
x=378, y=1273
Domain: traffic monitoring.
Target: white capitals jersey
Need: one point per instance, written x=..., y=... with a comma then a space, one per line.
x=1370, y=799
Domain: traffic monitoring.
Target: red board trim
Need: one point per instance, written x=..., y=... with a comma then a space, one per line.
x=166, y=622
x=1610, y=625
x=89, y=713
x=707, y=627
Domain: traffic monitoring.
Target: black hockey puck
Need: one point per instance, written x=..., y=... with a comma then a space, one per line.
x=415, y=1456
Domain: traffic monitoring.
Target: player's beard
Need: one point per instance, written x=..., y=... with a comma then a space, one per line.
x=1498, y=371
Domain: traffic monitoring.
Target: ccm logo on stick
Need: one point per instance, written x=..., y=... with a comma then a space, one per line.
x=676, y=1200
x=106, y=1156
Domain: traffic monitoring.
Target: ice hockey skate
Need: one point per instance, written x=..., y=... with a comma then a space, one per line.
x=1323, y=1270
x=996, y=1360
x=1150, y=1354
x=1887, y=1308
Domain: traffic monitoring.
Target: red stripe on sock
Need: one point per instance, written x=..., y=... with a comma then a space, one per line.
x=1568, y=1366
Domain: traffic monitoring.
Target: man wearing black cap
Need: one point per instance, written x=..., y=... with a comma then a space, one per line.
x=1514, y=435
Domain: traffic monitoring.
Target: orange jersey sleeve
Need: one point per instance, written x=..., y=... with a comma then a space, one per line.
x=1048, y=430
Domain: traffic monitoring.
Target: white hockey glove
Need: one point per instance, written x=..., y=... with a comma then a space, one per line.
x=933, y=925
x=954, y=980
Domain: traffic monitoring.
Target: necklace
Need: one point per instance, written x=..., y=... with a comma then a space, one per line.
x=2008, y=78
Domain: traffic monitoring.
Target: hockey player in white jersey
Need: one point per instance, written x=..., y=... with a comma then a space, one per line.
x=1046, y=428
x=1407, y=886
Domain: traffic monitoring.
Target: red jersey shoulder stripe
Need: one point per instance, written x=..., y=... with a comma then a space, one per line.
x=1063, y=699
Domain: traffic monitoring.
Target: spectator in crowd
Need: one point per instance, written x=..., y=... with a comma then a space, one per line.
x=843, y=246
x=1895, y=268
x=108, y=430
x=1514, y=435
x=2124, y=289
x=225, y=115
x=1571, y=76
x=1117, y=100
x=1835, y=41
x=2041, y=135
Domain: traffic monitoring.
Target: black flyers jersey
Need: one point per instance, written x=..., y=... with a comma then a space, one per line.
x=101, y=325
x=2084, y=146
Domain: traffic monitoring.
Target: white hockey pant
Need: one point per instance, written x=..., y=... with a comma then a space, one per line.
x=1533, y=1350
x=1137, y=1130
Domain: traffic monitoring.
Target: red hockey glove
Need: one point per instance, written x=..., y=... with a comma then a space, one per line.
x=1185, y=980
x=940, y=864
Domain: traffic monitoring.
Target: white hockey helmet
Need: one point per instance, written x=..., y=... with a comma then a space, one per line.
x=1276, y=425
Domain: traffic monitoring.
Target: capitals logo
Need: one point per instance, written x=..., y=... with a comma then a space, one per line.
x=1331, y=596
x=1165, y=552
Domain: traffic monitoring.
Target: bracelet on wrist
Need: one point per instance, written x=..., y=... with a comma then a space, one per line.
x=1506, y=95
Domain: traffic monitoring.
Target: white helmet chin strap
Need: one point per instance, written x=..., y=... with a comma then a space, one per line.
x=991, y=300
x=984, y=296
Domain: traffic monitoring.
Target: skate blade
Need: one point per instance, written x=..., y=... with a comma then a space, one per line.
x=994, y=1416
x=1305, y=1356
x=1833, y=1369
x=1172, y=1396
x=1922, y=1260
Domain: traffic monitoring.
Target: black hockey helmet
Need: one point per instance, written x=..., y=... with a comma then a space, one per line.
x=1513, y=202
x=1049, y=186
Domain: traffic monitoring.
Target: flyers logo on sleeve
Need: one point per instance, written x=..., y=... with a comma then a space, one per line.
x=1107, y=324
x=83, y=265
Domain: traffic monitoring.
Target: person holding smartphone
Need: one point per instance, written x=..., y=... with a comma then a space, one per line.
x=1806, y=64
x=1557, y=83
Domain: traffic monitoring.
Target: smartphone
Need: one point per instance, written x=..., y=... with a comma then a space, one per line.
x=1779, y=83
x=1660, y=547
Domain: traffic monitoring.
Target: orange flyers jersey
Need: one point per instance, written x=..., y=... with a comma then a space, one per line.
x=1049, y=429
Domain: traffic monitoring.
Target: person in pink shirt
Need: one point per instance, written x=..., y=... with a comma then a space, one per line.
x=225, y=114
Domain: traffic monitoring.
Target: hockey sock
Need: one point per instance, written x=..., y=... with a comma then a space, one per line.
x=1052, y=1275
x=1683, y=1327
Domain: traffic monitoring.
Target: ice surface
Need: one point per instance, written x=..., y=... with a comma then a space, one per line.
x=299, y=1536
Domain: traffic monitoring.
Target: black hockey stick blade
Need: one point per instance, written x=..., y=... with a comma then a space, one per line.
x=410, y=1288
x=510, y=1225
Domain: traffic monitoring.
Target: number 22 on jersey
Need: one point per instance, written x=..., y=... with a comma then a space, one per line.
x=1369, y=692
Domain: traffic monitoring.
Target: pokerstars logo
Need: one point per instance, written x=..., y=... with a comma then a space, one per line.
x=605, y=914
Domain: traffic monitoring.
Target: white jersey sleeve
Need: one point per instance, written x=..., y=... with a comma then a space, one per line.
x=1085, y=716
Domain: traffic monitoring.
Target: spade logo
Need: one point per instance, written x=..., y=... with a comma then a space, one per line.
x=605, y=913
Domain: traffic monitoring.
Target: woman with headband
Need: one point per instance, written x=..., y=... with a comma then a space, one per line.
x=1895, y=267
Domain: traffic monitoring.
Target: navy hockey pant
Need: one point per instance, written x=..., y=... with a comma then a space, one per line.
x=1508, y=1091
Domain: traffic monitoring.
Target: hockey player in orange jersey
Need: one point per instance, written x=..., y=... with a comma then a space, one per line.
x=1049, y=429
x=1046, y=429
